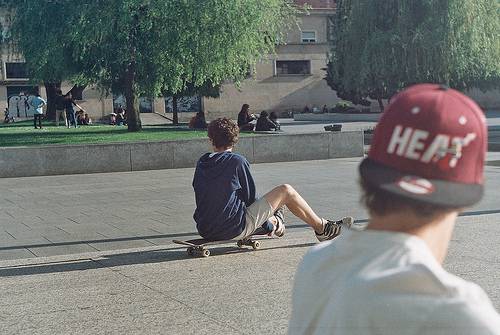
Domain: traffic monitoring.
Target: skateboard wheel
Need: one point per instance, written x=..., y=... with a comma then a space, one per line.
x=205, y=253
x=190, y=251
x=255, y=245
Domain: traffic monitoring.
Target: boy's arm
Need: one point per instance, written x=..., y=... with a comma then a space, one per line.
x=77, y=105
x=247, y=183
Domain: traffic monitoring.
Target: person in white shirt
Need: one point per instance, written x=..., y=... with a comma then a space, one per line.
x=38, y=102
x=424, y=167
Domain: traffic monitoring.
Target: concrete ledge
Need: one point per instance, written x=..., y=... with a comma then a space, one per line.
x=119, y=157
x=337, y=117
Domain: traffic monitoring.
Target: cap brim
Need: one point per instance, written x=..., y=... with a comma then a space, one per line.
x=443, y=194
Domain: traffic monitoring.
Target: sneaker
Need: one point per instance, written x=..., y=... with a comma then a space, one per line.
x=279, y=231
x=331, y=229
x=347, y=221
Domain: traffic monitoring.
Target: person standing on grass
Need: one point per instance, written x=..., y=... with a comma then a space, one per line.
x=425, y=165
x=60, y=108
x=38, y=103
x=226, y=203
x=70, y=111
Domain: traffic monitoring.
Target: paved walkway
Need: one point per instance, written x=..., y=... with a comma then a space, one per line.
x=44, y=216
x=105, y=262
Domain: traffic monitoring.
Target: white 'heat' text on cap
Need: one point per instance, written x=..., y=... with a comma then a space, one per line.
x=410, y=143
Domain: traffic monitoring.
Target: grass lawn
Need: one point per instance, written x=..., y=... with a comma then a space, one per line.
x=23, y=134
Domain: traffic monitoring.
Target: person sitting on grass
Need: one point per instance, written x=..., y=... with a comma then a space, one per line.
x=264, y=123
x=87, y=120
x=198, y=121
x=226, y=203
x=112, y=119
x=274, y=118
x=245, y=118
x=80, y=118
x=121, y=118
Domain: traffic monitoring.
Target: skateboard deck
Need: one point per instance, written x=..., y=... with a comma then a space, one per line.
x=197, y=247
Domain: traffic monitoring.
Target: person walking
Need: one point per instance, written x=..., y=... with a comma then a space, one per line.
x=38, y=103
x=424, y=167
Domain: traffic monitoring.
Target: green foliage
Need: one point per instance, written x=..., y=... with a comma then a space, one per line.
x=343, y=104
x=173, y=43
x=383, y=46
x=23, y=134
x=147, y=47
x=40, y=31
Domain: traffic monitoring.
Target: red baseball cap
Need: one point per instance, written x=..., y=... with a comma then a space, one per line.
x=429, y=145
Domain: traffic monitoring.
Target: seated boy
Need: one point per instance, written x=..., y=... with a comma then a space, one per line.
x=226, y=206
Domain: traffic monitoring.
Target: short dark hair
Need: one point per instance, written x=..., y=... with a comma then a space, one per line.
x=381, y=202
x=223, y=132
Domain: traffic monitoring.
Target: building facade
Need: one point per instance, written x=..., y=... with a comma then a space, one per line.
x=291, y=78
x=285, y=82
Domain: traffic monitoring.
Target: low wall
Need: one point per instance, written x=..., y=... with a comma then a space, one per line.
x=96, y=158
x=338, y=117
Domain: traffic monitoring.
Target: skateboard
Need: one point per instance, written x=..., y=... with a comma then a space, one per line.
x=198, y=247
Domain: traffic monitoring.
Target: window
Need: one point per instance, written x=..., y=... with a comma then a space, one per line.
x=146, y=104
x=16, y=71
x=22, y=90
x=293, y=67
x=308, y=37
x=190, y=104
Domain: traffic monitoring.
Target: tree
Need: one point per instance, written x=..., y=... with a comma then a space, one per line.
x=382, y=47
x=148, y=47
x=43, y=42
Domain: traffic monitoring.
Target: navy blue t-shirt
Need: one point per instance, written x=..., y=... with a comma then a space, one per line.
x=223, y=188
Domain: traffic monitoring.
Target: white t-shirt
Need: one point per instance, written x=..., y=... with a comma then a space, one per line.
x=38, y=103
x=375, y=282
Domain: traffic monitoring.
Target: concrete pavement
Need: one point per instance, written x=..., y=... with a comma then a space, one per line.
x=105, y=262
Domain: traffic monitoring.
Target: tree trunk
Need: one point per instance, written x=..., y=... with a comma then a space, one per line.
x=175, y=110
x=51, y=91
x=133, y=117
x=381, y=105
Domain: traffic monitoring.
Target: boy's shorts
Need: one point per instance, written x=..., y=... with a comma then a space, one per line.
x=257, y=213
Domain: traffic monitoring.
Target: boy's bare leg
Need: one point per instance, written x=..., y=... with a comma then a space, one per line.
x=286, y=195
